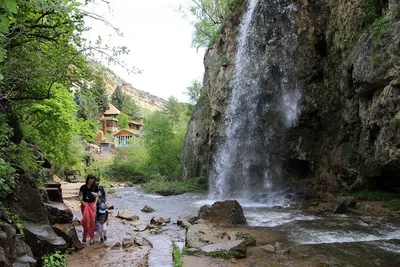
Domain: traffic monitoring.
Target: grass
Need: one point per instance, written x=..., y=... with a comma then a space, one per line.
x=164, y=187
x=393, y=199
x=394, y=205
x=374, y=195
x=176, y=254
x=221, y=254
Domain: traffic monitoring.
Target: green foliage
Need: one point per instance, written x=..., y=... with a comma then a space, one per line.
x=132, y=163
x=117, y=98
x=176, y=254
x=100, y=169
x=395, y=120
x=163, y=145
x=125, y=103
x=14, y=218
x=130, y=108
x=100, y=93
x=87, y=129
x=55, y=259
x=374, y=195
x=51, y=124
x=87, y=105
x=208, y=17
x=8, y=179
x=23, y=157
x=379, y=25
x=394, y=204
x=221, y=254
x=161, y=184
x=123, y=121
x=194, y=91
x=156, y=155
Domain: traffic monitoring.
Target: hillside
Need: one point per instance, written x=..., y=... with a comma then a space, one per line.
x=142, y=98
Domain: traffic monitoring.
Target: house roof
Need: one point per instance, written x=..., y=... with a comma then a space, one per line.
x=134, y=122
x=125, y=132
x=112, y=110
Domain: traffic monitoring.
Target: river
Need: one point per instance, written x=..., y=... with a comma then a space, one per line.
x=334, y=240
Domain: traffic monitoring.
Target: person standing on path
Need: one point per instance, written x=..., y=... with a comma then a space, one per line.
x=100, y=192
x=101, y=199
x=88, y=196
x=102, y=215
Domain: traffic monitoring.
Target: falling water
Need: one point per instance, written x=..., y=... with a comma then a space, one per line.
x=245, y=162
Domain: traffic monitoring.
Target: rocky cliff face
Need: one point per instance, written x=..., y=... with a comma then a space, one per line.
x=346, y=65
x=142, y=99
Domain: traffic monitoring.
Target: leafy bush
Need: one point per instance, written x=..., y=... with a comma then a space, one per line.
x=394, y=204
x=160, y=184
x=14, y=218
x=374, y=195
x=379, y=24
x=8, y=179
x=55, y=259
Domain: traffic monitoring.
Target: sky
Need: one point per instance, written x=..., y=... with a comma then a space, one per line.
x=159, y=40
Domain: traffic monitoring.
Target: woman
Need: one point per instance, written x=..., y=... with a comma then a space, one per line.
x=88, y=199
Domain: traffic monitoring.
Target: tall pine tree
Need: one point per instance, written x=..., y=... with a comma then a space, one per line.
x=117, y=98
x=100, y=93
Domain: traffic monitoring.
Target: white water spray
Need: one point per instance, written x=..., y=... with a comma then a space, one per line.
x=244, y=163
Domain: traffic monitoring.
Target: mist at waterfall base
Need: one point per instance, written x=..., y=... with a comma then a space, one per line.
x=246, y=166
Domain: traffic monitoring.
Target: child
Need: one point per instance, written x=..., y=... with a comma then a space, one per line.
x=102, y=215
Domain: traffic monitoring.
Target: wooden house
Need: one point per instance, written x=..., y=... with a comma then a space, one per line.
x=135, y=127
x=122, y=137
x=109, y=119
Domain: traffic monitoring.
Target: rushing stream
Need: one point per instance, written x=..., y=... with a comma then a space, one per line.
x=337, y=240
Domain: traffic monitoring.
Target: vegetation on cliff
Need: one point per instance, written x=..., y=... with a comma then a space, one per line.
x=207, y=18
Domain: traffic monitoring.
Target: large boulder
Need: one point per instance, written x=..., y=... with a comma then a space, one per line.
x=147, y=209
x=42, y=239
x=13, y=249
x=237, y=248
x=58, y=212
x=223, y=212
x=26, y=200
x=344, y=204
x=127, y=215
x=199, y=235
x=68, y=232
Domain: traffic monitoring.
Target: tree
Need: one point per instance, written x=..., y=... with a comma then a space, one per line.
x=174, y=109
x=100, y=93
x=51, y=124
x=87, y=106
x=117, y=98
x=194, y=91
x=123, y=121
x=130, y=108
x=208, y=17
x=164, y=153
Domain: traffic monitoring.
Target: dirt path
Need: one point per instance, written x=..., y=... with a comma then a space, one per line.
x=111, y=252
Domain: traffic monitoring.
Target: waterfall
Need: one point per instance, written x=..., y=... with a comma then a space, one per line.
x=256, y=114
